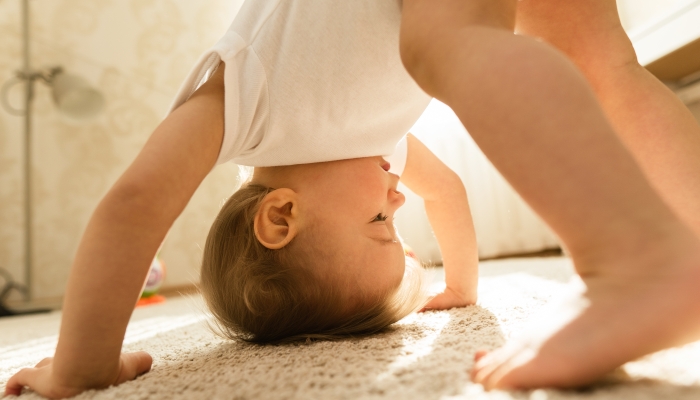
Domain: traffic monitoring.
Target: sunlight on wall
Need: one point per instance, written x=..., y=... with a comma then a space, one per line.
x=503, y=222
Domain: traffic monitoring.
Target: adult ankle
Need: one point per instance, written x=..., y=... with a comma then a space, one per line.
x=635, y=249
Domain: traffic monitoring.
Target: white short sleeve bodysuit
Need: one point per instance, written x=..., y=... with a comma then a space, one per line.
x=311, y=81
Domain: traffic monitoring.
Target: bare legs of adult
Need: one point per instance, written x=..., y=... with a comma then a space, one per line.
x=655, y=126
x=539, y=121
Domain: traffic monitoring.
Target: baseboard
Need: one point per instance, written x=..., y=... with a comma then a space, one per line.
x=51, y=303
x=177, y=291
x=55, y=303
x=553, y=252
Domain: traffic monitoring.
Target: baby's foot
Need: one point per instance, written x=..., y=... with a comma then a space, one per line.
x=611, y=320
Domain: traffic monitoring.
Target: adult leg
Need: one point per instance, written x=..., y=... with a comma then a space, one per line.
x=537, y=119
x=655, y=126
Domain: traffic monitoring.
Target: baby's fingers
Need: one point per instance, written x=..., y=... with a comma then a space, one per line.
x=437, y=303
x=23, y=378
x=446, y=301
x=133, y=365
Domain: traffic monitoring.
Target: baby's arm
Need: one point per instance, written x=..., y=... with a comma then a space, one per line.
x=118, y=245
x=448, y=211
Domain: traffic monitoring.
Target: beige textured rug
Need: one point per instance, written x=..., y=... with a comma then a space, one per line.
x=425, y=356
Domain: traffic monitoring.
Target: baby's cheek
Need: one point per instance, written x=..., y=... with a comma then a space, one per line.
x=400, y=268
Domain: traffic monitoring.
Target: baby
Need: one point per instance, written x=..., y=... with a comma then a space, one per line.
x=312, y=94
x=307, y=248
x=597, y=146
x=319, y=256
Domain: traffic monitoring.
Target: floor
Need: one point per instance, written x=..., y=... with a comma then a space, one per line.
x=424, y=356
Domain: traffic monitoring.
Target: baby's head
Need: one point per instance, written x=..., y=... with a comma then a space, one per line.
x=316, y=257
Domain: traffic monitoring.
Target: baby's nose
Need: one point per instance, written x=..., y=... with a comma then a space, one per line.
x=396, y=198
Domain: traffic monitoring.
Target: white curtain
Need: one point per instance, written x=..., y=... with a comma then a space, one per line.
x=504, y=224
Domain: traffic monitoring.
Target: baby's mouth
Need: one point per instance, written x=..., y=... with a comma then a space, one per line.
x=386, y=166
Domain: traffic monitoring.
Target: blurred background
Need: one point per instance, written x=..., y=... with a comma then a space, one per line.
x=137, y=53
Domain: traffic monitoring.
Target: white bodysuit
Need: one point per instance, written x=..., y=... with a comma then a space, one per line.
x=310, y=81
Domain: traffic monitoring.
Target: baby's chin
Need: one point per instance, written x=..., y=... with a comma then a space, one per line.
x=373, y=288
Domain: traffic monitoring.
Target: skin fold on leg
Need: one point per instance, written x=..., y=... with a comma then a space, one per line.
x=537, y=118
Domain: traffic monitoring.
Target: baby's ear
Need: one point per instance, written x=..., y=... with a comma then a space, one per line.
x=276, y=222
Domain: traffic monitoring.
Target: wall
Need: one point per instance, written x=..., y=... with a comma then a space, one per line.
x=637, y=13
x=503, y=222
x=137, y=53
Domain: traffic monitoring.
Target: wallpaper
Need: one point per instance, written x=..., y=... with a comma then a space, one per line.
x=136, y=52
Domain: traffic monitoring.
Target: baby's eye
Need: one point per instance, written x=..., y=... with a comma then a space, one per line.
x=380, y=217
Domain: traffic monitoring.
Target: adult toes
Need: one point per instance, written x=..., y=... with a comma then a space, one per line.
x=513, y=372
x=484, y=368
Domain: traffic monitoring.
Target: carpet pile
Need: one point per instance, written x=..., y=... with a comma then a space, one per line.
x=424, y=356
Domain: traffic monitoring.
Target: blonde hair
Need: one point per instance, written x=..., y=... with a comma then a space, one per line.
x=263, y=295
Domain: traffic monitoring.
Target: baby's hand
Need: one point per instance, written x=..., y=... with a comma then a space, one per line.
x=41, y=380
x=450, y=298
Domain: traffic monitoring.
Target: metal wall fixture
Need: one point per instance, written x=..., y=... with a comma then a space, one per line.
x=73, y=97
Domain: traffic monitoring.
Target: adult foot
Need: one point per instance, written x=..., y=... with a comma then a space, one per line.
x=612, y=317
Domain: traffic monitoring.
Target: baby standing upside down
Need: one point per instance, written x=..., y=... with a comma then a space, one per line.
x=308, y=248
x=312, y=94
x=319, y=256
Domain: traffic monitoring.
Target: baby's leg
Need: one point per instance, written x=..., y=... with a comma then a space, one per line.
x=652, y=122
x=537, y=119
